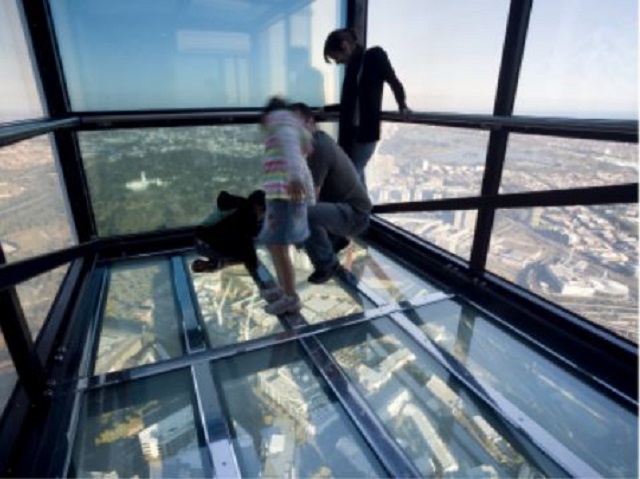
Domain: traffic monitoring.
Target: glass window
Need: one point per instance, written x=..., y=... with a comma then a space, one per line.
x=584, y=258
x=34, y=218
x=285, y=422
x=450, y=230
x=149, y=179
x=8, y=375
x=536, y=162
x=18, y=88
x=419, y=162
x=140, y=323
x=446, y=54
x=581, y=60
x=144, y=428
x=443, y=429
x=37, y=295
x=580, y=417
x=154, y=54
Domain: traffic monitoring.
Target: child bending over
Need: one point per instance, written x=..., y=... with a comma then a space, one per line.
x=289, y=188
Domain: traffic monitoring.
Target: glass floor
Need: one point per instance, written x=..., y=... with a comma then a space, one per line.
x=383, y=374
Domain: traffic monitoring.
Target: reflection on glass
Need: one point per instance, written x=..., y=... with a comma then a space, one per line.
x=140, y=323
x=285, y=423
x=442, y=429
x=18, y=89
x=33, y=212
x=208, y=53
x=566, y=163
x=145, y=428
x=458, y=41
x=450, y=230
x=156, y=178
x=384, y=277
x=584, y=258
x=581, y=418
x=37, y=295
x=323, y=302
x=419, y=162
x=230, y=306
x=8, y=376
x=581, y=60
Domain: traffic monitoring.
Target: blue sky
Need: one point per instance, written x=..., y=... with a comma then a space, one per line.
x=581, y=57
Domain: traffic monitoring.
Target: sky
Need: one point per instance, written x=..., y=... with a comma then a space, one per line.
x=581, y=56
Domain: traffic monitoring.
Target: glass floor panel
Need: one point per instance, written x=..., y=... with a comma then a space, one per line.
x=320, y=302
x=445, y=431
x=420, y=375
x=140, y=322
x=230, y=305
x=144, y=428
x=388, y=280
x=579, y=416
x=285, y=422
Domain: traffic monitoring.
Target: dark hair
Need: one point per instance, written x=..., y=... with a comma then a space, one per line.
x=274, y=103
x=334, y=40
x=303, y=109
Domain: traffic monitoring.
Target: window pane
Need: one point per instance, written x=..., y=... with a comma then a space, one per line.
x=584, y=258
x=418, y=162
x=33, y=211
x=579, y=416
x=149, y=179
x=546, y=163
x=150, y=54
x=18, y=89
x=446, y=54
x=581, y=60
x=36, y=297
x=140, y=323
x=443, y=429
x=285, y=422
x=450, y=230
x=8, y=375
x=144, y=428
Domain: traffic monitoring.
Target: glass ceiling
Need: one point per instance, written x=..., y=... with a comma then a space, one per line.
x=383, y=374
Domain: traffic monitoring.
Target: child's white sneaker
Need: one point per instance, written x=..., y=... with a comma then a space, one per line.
x=286, y=304
x=271, y=294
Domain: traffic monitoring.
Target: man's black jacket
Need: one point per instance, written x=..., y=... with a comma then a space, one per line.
x=376, y=70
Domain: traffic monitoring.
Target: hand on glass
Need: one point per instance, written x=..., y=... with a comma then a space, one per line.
x=405, y=111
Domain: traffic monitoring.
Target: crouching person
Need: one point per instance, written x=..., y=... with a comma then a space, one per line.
x=227, y=236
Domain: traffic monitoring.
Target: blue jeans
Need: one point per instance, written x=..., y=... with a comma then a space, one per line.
x=327, y=220
x=362, y=153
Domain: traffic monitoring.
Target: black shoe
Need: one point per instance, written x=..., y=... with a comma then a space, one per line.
x=340, y=243
x=323, y=275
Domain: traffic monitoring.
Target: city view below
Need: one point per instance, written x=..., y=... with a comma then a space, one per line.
x=284, y=419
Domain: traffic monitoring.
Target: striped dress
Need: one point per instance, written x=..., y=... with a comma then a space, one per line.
x=287, y=143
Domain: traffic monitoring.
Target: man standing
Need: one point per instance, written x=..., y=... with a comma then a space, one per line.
x=343, y=205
